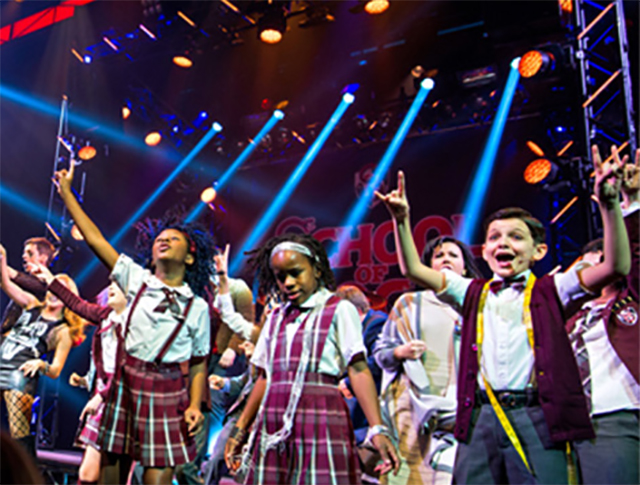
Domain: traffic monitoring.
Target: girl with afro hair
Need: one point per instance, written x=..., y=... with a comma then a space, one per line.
x=301, y=427
x=152, y=411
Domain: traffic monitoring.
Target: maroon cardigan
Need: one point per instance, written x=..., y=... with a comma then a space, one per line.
x=559, y=387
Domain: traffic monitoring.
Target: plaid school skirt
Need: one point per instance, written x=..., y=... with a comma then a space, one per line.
x=144, y=415
x=321, y=447
x=90, y=428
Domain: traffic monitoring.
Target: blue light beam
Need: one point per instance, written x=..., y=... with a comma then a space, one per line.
x=22, y=203
x=215, y=129
x=358, y=211
x=292, y=182
x=246, y=153
x=475, y=200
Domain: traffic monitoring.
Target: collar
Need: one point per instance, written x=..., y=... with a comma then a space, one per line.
x=183, y=290
x=525, y=274
x=318, y=298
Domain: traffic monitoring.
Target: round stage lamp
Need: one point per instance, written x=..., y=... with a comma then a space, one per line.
x=375, y=7
x=76, y=234
x=87, y=152
x=539, y=171
x=126, y=112
x=152, y=139
x=535, y=62
x=208, y=195
x=182, y=61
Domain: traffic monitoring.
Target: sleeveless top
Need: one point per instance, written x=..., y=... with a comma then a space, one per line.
x=29, y=339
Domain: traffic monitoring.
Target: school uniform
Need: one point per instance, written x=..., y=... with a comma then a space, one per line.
x=541, y=395
x=605, y=337
x=103, y=354
x=165, y=327
x=303, y=433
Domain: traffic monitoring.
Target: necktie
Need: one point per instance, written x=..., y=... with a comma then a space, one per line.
x=583, y=324
x=516, y=283
x=169, y=302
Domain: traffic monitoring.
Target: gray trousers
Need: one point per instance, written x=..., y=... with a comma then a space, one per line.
x=489, y=457
x=613, y=456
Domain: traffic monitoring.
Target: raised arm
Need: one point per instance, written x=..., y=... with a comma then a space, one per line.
x=631, y=182
x=408, y=258
x=617, y=255
x=96, y=241
x=13, y=291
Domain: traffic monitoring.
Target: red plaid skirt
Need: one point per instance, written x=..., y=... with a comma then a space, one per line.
x=144, y=415
x=321, y=447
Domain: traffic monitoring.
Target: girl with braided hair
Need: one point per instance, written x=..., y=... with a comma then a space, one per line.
x=302, y=432
x=42, y=327
x=151, y=413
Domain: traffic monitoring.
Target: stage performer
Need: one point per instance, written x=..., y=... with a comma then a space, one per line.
x=417, y=351
x=520, y=399
x=302, y=431
x=151, y=412
x=42, y=327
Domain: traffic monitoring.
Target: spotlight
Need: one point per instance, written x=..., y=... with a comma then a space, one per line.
x=348, y=98
x=76, y=234
x=272, y=25
x=87, y=152
x=208, y=195
x=535, y=148
x=536, y=62
x=566, y=5
x=183, y=61
x=126, y=112
x=153, y=138
x=87, y=59
x=375, y=7
x=217, y=127
x=278, y=114
x=540, y=171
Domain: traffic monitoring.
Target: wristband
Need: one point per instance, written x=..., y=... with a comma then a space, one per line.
x=376, y=430
x=45, y=371
x=238, y=434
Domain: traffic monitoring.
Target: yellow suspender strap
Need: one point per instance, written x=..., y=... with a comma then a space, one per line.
x=526, y=318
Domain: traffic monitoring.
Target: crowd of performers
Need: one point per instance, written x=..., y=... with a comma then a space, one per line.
x=511, y=379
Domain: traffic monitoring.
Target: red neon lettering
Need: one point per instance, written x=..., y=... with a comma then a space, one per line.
x=432, y=223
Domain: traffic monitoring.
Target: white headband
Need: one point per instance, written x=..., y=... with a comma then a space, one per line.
x=292, y=246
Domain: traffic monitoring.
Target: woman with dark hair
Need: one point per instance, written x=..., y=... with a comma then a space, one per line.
x=302, y=432
x=417, y=352
x=152, y=412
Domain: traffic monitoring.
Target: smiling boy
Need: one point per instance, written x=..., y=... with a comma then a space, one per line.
x=519, y=392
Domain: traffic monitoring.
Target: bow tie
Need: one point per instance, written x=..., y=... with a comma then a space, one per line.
x=169, y=302
x=516, y=283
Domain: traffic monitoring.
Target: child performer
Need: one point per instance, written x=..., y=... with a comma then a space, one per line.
x=519, y=392
x=302, y=432
x=41, y=327
x=151, y=413
x=417, y=352
x=110, y=320
x=605, y=335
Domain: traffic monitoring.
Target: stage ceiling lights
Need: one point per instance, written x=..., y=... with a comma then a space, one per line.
x=376, y=7
x=543, y=61
x=183, y=60
x=272, y=25
x=208, y=195
x=87, y=152
x=540, y=172
x=153, y=138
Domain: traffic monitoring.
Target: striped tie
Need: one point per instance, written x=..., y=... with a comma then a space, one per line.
x=589, y=317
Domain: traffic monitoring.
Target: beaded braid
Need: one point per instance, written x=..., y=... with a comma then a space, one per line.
x=260, y=261
x=197, y=274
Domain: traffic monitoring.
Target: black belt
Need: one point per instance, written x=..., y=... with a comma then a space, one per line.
x=511, y=399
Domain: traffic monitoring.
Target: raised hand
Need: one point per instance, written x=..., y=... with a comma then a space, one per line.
x=608, y=175
x=63, y=178
x=41, y=272
x=221, y=261
x=410, y=351
x=396, y=200
x=631, y=181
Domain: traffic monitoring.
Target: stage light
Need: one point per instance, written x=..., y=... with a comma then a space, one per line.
x=474, y=203
x=87, y=152
x=208, y=195
x=76, y=234
x=269, y=216
x=539, y=171
x=375, y=7
x=536, y=62
x=87, y=59
x=535, y=148
x=272, y=25
x=182, y=61
x=348, y=98
x=278, y=114
x=217, y=127
x=566, y=5
x=153, y=139
x=126, y=112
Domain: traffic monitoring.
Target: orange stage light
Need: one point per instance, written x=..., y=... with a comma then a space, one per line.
x=537, y=171
x=375, y=7
x=153, y=138
x=208, y=195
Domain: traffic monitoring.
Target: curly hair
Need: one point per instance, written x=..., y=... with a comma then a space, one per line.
x=201, y=246
x=260, y=261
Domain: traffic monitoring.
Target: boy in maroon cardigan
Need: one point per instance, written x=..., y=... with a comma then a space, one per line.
x=519, y=392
